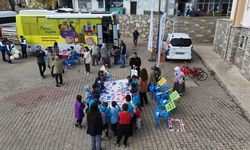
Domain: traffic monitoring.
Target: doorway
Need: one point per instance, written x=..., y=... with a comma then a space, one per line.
x=133, y=6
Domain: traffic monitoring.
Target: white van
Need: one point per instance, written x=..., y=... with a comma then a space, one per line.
x=179, y=46
x=8, y=25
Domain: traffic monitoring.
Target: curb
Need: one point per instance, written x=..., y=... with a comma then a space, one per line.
x=245, y=114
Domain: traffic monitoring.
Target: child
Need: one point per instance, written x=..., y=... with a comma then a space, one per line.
x=79, y=114
x=100, y=80
x=123, y=128
x=136, y=97
x=94, y=100
x=114, y=112
x=138, y=116
x=131, y=110
x=129, y=80
x=104, y=110
x=96, y=90
x=135, y=82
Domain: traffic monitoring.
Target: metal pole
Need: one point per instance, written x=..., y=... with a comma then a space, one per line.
x=158, y=40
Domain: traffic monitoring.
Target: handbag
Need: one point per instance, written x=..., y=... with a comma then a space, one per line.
x=134, y=72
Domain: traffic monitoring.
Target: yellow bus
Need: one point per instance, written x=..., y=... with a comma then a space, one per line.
x=42, y=27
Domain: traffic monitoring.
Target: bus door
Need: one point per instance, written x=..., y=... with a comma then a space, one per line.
x=107, y=30
x=115, y=33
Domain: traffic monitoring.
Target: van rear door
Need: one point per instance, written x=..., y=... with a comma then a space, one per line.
x=181, y=48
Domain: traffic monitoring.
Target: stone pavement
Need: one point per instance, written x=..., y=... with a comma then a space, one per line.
x=229, y=76
x=36, y=115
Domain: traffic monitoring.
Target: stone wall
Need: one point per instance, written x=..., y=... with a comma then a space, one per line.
x=5, y=5
x=221, y=34
x=201, y=29
x=245, y=68
x=240, y=52
x=232, y=47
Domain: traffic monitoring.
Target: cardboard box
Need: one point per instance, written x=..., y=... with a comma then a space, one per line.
x=163, y=57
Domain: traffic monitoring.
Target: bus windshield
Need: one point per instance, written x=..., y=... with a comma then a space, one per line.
x=5, y=20
x=181, y=42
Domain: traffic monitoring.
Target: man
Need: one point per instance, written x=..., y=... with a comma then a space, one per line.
x=95, y=51
x=3, y=50
x=23, y=47
x=135, y=63
x=40, y=54
x=123, y=54
x=136, y=35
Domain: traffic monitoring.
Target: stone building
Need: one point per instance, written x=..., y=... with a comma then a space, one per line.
x=232, y=37
x=5, y=5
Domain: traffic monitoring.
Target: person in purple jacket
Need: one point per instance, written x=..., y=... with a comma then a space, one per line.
x=79, y=114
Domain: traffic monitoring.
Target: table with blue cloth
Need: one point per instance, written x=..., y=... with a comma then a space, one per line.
x=115, y=91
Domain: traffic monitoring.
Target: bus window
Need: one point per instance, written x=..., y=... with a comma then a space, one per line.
x=106, y=20
x=8, y=20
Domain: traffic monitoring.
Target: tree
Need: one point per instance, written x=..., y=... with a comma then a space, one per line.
x=47, y=3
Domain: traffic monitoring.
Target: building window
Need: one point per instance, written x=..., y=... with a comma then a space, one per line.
x=100, y=3
x=215, y=7
x=243, y=42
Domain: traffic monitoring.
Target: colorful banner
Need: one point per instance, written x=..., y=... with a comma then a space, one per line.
x=150, y=36
x=44, y=31
x=161, y=36
x=174, y=96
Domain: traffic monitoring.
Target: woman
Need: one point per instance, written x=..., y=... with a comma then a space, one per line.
x=179, y=84
x=143, y=84
x=57, y=70
x=105, y=55
x=94, y=126
x=153, y=79
x=105, y=69
x=87, y=59
x=154, y=76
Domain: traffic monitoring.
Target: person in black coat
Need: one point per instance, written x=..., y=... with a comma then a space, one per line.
x=135, y=63
x=40, y=54
x=94, y=126
x=135, y=35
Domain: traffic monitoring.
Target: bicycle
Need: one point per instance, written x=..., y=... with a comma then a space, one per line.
x=193, y=72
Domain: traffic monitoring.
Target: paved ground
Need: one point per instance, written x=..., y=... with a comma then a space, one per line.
x=229, y=76
x=36, y=115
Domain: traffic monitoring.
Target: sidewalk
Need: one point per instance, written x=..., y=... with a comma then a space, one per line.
x=229, y=76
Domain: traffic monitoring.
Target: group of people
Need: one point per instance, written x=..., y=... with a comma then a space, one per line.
x=9, y=49
x=54, y=63
x=99, y=54
x=101, y=116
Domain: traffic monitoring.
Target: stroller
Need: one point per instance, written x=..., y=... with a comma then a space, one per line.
x=116, y=55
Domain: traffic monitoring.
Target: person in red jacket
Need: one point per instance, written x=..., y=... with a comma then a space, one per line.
x=123, y=127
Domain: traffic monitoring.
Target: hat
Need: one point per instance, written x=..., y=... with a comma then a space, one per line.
x=177, y=69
